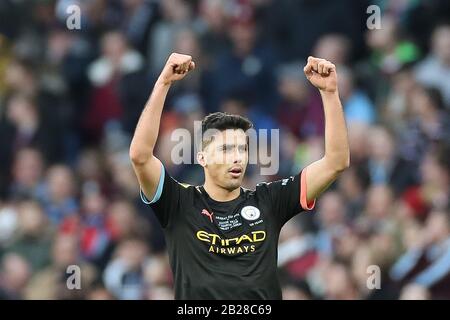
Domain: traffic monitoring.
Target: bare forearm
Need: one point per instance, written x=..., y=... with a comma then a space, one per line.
x=337, y=152
x=147, y=167
x=321, y=173
x=146, y=133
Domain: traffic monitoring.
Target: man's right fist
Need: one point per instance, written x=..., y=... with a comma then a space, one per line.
x=176, y=68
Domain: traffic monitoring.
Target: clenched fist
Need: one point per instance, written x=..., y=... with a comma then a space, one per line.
x=322, y=74
x=176, y=68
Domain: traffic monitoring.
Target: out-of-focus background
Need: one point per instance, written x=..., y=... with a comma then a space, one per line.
x=70, y=99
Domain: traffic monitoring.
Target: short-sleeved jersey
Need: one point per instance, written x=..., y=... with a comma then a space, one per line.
x=226, y=250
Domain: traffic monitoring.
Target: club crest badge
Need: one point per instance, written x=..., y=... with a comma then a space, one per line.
x=250, y=213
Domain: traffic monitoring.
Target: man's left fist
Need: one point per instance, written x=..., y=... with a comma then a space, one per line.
x=321, y=73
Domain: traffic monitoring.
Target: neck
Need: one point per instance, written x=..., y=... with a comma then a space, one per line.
x=220, y=194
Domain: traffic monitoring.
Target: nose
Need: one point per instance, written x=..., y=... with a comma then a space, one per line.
x=238, y=156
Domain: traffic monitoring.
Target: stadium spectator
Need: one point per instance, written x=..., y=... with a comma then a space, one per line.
x=124, y=275
x=34, y=236
x=59, y=200
x=357, y=105
x=300, y=109
x=27, y=175
x=52, y=282
x=15, y=273
x=428, y=263
x=434, y=70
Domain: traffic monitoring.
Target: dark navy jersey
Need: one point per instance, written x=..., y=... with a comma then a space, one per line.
x=226, y=250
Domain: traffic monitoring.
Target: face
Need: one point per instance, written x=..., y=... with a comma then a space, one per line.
x=420, y=103
x=441, y=43
x=381, y=146
x=16, y=271
x=333, y=48
x=20, y=109
x=65, y=251
x=114, y=46
x=28, y=167
x=384, y=38
x=437, y=226
x=243, y=37
x=338, y=282
x=60, y=181
x=123, y=217
x=186, y=41
x=93, y=203
x=134, y=252
x=292, y=89
x=213, y=12
x=331, y=209
x=379, y=200
x=431, y=172
x=225, y=158
x=32, y=219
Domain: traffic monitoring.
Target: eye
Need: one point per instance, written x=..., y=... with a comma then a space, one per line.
x=243, y=148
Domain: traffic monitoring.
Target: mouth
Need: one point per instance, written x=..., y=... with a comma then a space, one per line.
x=235, y=172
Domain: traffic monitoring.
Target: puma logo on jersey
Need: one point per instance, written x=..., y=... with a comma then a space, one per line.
x=209, y=215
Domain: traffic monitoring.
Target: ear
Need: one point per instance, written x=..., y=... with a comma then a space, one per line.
x=201, y=158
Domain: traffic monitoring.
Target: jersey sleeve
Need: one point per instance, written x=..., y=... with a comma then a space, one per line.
x=288, y=197
x=166, y=200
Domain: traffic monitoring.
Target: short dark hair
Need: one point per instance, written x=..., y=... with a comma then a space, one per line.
x=222, y=121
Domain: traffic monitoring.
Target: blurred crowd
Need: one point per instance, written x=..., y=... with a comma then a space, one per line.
x=70, y=99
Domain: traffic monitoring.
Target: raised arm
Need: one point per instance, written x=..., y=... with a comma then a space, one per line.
x=321, y=173
x=146, y=166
